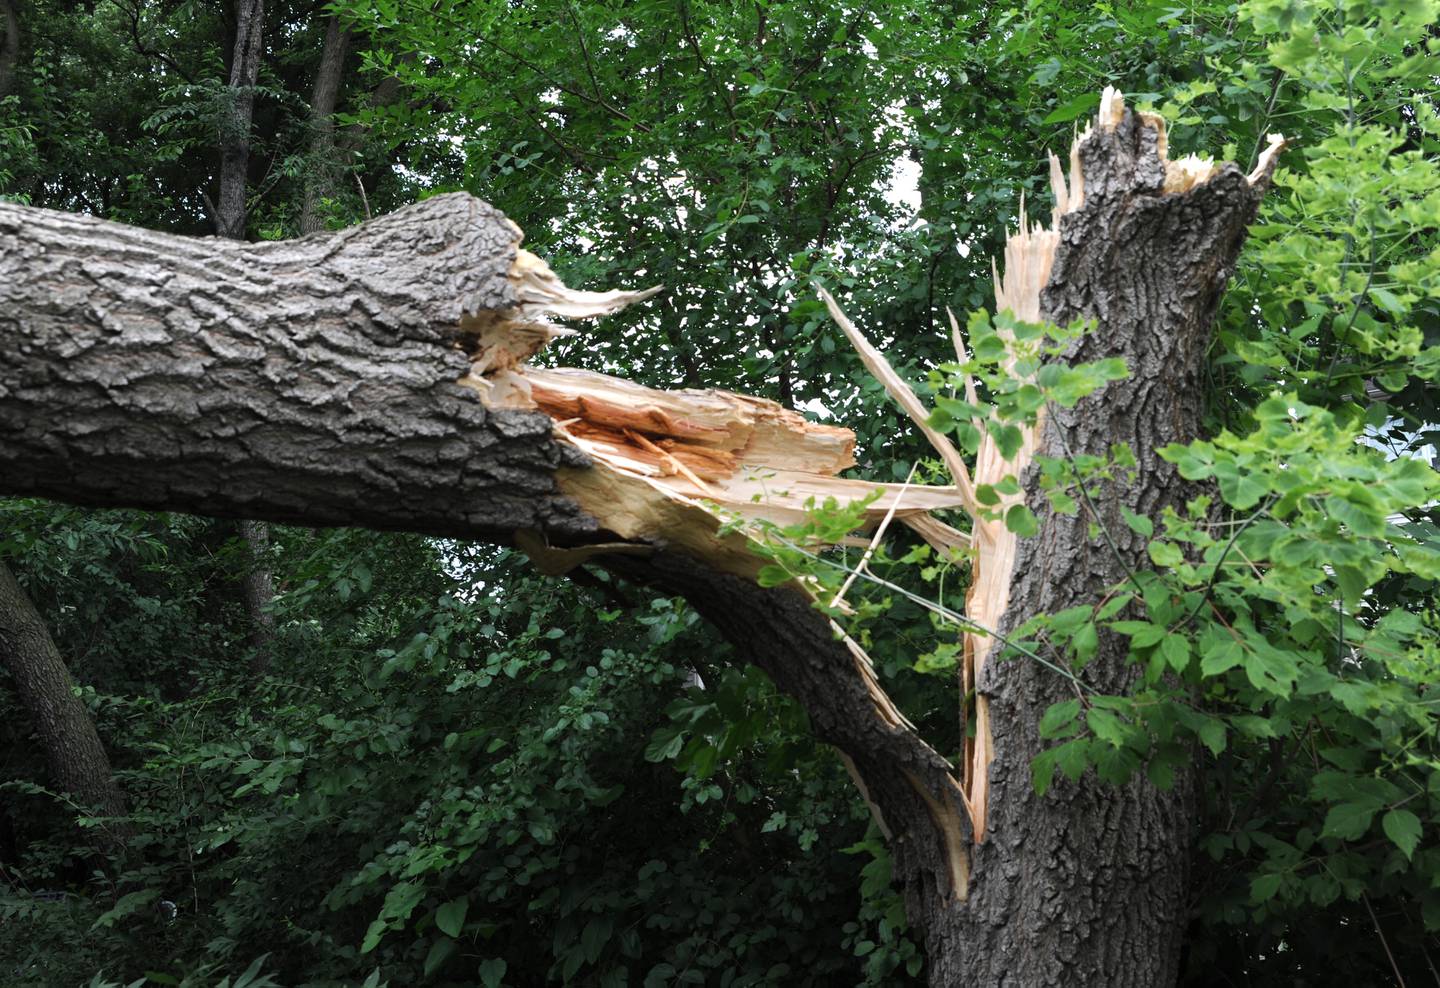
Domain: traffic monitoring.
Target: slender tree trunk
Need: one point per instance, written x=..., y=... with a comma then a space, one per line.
x=322, y=172
x=235, y=123
x=258, y=590
x=78, y=764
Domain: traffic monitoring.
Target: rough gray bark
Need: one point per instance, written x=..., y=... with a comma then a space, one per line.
x=78, y=764
x=323, y=170
x=230, y=211
x=308, y=381
x=1088, y=884
x=257, y=588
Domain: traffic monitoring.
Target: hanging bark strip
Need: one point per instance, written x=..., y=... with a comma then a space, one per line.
x=379, y=376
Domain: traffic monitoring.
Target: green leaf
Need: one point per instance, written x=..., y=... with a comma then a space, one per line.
x=1020, y=520
x=1165, y=554
x=1008, y=438
x=1042, y=771
x=595, y=936
x=1072, y=757
x=1264, y=887
x=1349, y=821
x=773, y=575
x=1227, y=655
x=1176, y=649
x=1075, y=108
x=492, y=972
x=440, y=952
x=1142, y=634
x=373, y=936
x=665, y=744
x=451, y=916
x=1106, y=726
x=1212, y=735
x=1161, y=774
x=1059, y=719
x=1403, y=828
x=1138, y=523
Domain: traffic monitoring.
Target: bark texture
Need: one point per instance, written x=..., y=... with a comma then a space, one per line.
x=308, y=381
x=323, y=170
x=78, y=764
x=230, y=211
x=1088, y=884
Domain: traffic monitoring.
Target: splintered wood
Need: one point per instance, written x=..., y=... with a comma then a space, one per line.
x=675, y=464
x=672, y=466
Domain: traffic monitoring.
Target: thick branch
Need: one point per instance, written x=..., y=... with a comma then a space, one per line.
x=308, y=381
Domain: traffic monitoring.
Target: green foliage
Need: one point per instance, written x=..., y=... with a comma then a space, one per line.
x=443, y=779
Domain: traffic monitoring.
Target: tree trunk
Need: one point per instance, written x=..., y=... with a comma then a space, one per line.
x=258, y=589
x=78, y=764
x=323, y=170
x=230, y=209
x=1088, y=884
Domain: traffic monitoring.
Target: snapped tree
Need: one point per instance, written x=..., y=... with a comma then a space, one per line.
x=378, y=376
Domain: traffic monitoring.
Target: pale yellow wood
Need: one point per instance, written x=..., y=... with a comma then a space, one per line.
x=896, y=387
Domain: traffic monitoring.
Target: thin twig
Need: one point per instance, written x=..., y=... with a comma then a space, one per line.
x=1399, y=978
x=945, y=612
x=364, y=200
x=839, y=597
x=1215, y=573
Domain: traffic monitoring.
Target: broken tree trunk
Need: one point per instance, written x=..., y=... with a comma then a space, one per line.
x=379, y=376
x=1088, y=884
